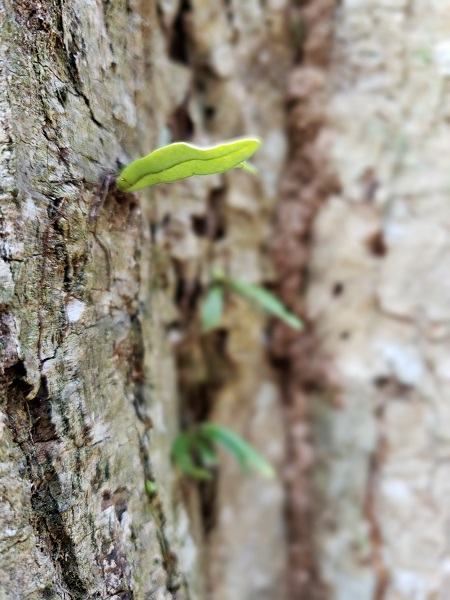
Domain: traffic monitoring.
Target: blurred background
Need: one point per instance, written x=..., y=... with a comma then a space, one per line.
x=348, y=223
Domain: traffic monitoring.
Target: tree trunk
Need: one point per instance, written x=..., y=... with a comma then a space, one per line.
x=89, y=401
x=78, y=408
x=102, y=354
x=363, y=231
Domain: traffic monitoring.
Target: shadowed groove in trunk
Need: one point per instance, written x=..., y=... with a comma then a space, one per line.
x=306, y=184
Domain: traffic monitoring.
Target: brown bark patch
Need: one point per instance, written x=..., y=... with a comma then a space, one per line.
x=305, y=186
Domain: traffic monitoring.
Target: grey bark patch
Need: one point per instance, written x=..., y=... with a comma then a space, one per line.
x=32, y=429
x=73, y=391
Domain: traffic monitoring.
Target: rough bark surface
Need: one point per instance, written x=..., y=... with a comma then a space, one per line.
x=89, y=403
x=380, y=299
x=77, y=404
x=372, y=385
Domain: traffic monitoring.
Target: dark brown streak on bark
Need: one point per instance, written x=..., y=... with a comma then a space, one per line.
x=137, y=382
x=45, y=252
x=175, y=579
x=32, y=429
x=98, y=203
x=306, y=184
x=74, y=48
x=382, y=573
x=132, y=353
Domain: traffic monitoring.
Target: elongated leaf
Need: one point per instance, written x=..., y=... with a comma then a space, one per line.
x=243, y=452
x=212, y=308
x=181, y=454
x=266, y=300
x=181, y=160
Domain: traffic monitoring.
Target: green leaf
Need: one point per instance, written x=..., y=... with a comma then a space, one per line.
x=270, y=303
x=181, y=160
x=204, y=448
x=243, y=452
x=212, y=308
x=150, y=487
x=249, y=167
x=182, y=456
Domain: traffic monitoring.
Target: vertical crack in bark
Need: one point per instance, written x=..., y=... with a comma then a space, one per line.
x=382, y=574
x=57, y=210
x=137, y=382
x=33, y=431
x=306, y=184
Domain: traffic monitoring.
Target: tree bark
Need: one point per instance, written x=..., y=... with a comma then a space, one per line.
x=80, y=390
x=89, y=400
x=365, y=217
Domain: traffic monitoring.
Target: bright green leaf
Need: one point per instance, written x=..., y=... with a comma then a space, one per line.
x=180, y=160
x=266, y=300
x=243, y=452
x=212, y=308
x=150, y=487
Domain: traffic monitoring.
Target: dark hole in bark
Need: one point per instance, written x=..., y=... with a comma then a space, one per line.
x=377, y=245
x=61, y=94
x=391, y=386
x=212, y=225
x=181, y=124
x=200, y=225
x=53, y=207
x=106, y=500
x=187, y=294
x=178, y=40
x=43, y=430
x=208, y=497
x=120, y=499
x=210, y=112
x=165, y=221
x=338, y=289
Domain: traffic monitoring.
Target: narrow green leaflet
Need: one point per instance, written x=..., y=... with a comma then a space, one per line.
x=182, y=160
x=212, y=308
x=243, y=452
x=182, y=456
x=201, y=441
x=266, y=300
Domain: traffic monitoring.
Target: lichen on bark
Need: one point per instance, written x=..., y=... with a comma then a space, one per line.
x=76, y=403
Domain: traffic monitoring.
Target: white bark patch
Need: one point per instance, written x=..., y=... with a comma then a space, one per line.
x=2, y=424
x=6, y=283
x=403, y=361
x=74, y=309
x=442, y=57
